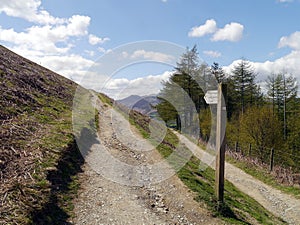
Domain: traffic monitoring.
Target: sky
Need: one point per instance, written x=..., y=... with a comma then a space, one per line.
x=124, y=47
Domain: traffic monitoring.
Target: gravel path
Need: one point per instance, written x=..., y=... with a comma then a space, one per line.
x=122, y=184
x=280, y=204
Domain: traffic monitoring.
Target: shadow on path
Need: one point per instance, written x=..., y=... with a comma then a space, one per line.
x=63, y=189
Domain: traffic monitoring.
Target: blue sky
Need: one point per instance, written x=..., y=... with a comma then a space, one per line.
x=70, y=36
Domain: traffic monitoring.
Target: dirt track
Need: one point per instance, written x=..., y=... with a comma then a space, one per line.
x=121, y=182
x=127, y=196
x=280, y=204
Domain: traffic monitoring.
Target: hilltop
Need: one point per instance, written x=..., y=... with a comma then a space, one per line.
x=37, y=145
x=142, y=104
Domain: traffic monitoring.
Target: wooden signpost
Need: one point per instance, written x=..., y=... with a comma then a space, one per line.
x=211, y=97
x=218, y=97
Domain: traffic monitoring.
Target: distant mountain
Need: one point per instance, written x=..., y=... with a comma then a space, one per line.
x=142, y=104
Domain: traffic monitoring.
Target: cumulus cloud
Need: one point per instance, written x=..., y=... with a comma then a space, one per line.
x=213, y=54
x=148, y=55
x=292, y=41
x=103, y=50
x=29, y=10
x=231, y=32
x=286, y=64
x=122, y=87
x=59, y=63
x=209, y=27
x=94, y=40
x=49, y=40
x=45, y=38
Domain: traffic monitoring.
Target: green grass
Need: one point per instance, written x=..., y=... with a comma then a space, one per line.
x=56, y=170
x=57, y=173
x=41, y=172
x=56, y=167
x=238, y=208
x=105, y=99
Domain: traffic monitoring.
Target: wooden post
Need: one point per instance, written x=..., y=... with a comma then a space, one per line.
x=250, y=149
x=220, y=143
x=271, y=159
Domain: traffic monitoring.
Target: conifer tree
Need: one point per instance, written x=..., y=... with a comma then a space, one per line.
x=244, y=90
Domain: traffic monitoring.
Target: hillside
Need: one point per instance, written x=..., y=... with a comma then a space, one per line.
x=40, y=163
x=37, y=145
x=142, y=104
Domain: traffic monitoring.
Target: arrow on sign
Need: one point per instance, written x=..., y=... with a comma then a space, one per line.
x=211, y=97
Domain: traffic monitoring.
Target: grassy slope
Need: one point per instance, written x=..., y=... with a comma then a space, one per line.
x=38, y=156
x=239, y=208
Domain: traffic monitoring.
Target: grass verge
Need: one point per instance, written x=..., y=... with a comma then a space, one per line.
x=57, y=172
x=239, y=208
x=263, y=174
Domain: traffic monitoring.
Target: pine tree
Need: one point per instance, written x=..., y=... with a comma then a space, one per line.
x=187, y=86
x=188, y=63
x=282, y=90
x=218, y=73
x=244, y=91
x=182, y=91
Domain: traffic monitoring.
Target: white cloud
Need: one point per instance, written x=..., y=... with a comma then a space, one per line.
x=102, y=50
x=77, y=25
x=50, y=40
x=284, y=1
x=292, y=41
x=36, y=39
x=71, y=66
x=213, y=54
x=125, y=54
x=90, y=53
x=29, y=10
x=45, y=38
x=209, y=27
x=149, y=55
x=164, y=1
x=231, y=32
x=94, y=40
x=122, y=87
x=60, y=63
x=287, y=64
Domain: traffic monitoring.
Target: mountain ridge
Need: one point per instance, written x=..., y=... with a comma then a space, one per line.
x=142, y=104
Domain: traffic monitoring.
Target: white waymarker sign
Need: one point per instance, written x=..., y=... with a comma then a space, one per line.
x=211, y=97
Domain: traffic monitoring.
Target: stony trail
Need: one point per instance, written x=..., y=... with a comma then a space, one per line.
x=127, y=192
x=280, y=204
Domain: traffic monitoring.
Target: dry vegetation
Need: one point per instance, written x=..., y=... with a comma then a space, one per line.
x=37, y=146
